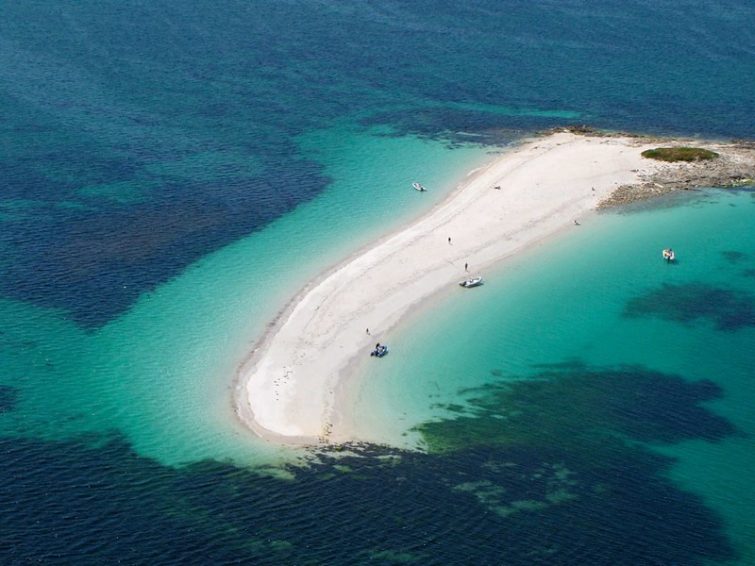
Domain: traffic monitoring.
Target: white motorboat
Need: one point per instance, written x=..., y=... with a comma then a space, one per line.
x=472, y=282
x=418, y=187
x=669, y=255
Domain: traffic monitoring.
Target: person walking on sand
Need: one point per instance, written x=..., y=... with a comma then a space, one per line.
x=466, y=267
x=368, y=332
x=449, y=239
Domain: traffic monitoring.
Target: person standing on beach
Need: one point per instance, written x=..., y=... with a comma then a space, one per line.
x=449, y=239
x=466, y=267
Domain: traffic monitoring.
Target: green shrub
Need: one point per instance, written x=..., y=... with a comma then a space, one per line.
x=679, y=154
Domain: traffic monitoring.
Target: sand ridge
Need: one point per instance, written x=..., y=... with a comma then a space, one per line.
x=286, y=390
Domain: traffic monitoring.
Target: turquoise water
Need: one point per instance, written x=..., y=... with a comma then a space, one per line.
x=567, y=301
x=162, y=374
x=170, y=175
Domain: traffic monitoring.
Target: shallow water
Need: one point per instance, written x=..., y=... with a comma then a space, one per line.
x=601, y=297
x=162, y=374
x=171, y=175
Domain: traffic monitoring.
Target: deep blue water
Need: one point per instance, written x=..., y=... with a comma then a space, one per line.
x=138, y=137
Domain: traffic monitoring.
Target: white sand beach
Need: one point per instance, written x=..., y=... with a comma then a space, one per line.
x=287, y=388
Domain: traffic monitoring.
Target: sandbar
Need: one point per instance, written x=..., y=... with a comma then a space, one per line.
x=287, y=388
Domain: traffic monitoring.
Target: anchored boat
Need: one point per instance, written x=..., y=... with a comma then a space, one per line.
x=472, y=282
x=418, y=187
x=379, y=351
x=669, y=255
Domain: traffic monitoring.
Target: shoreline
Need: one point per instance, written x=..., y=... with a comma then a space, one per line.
x=288, y=389
x=242, y=407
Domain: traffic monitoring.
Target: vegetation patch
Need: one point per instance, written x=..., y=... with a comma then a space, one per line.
x=8, y=398
x=728, y=309
x=672, y=154
x=578, y=408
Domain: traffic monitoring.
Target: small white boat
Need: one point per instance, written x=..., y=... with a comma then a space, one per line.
x=669, y=255
x=418, y=187
x=379, y=351
x=472, y=282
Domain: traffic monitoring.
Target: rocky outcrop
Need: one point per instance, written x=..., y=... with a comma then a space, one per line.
x=735, y=167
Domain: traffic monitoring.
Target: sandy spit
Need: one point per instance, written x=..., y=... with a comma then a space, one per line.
x=286, y=390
